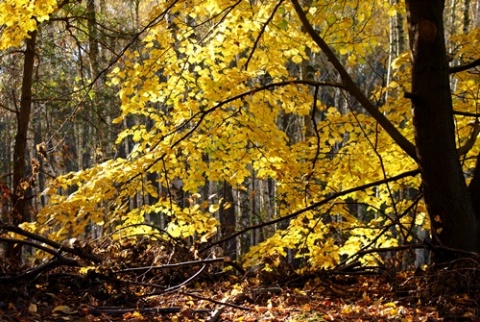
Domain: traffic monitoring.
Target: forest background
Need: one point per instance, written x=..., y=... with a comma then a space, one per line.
x=272, y=132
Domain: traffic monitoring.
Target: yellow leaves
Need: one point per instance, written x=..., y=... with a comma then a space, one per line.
x=401, y=60
x=345, y=49
x=295, y=54
x=178, y=88
x=29, y=226
x=193, y=221
x=20, y=17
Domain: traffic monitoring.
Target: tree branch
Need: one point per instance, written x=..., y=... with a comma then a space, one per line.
x=59, y=247
x=461, y=68
x=470, y=141
x=255, y=44
x=315, y=205
x=353, y=89
x=200, y=116
x=466, y=113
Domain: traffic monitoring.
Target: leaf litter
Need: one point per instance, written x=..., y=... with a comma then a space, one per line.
x=144, y=281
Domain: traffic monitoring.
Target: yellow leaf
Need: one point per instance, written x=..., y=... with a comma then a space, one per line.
x=297, y=59
x=64, y=309
x=213, y=208
x=32, y=308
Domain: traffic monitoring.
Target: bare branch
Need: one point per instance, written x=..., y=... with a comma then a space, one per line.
x=187, y=281
x=33, y=244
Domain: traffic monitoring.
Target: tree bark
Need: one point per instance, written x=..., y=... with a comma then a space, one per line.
x=447, y=199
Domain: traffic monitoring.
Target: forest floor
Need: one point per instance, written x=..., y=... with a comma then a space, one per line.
x=129, y=290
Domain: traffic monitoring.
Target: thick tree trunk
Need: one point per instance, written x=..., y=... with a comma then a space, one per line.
x=21, y=185
x=446, y=196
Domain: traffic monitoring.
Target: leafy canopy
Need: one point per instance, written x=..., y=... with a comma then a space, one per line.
x=209, y=90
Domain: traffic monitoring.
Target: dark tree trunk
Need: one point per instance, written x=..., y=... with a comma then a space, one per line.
x=21, y=184
x=92, y=38
x=446, y=196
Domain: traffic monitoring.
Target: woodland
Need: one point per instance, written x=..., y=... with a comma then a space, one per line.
x=234, y=160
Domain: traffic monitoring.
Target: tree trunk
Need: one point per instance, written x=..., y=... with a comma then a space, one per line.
x=21, y=185
x=453, y=221
x=228, y=221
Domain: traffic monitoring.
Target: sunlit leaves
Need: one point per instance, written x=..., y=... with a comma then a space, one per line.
x=194, y=95
x=20, y=17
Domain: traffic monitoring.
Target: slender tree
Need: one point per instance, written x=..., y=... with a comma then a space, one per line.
x=21, y=184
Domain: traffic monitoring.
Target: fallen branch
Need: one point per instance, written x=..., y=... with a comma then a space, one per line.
x=32, y=244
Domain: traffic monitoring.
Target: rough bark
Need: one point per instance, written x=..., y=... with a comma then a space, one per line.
x=447, y=199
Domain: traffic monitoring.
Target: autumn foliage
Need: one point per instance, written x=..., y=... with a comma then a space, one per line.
x=283, y=127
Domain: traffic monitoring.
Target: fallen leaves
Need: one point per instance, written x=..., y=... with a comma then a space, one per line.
x=132, y=293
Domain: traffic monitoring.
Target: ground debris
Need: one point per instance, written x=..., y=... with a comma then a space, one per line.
x=153, y=282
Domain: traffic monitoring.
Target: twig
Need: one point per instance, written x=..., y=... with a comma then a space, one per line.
x=33, y=244
x=470, y=141
x=393, y=248
x=34, y=272
x=466, y=113
x=176, y=287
